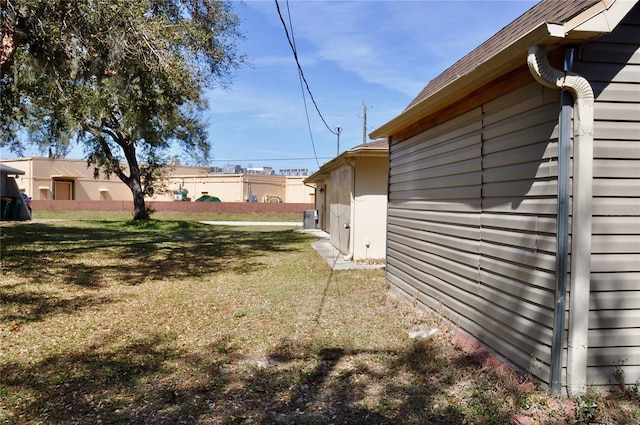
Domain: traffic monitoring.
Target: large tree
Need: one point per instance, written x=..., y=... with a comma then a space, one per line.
x=124, y=77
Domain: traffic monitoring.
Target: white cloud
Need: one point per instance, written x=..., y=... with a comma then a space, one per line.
x=400, y=45
x=379, y=52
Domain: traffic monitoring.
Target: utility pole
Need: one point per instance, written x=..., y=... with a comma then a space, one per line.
x=338, y=131
x=364, y=123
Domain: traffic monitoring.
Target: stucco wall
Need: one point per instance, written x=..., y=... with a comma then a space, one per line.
x=236, y=187
x=47, y=179
x=43, y=174
x=339, y=207
x=370, y=224
x=296, y=189
x=212, y=207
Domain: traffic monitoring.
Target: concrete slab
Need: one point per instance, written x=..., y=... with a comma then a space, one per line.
x=254, y=223
x=333, y=257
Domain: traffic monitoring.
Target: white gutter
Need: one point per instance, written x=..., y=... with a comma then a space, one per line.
x=598, y=19
x=582, y=94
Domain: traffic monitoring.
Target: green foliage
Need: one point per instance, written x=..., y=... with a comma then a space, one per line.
x=588, y=406
x=124, y=78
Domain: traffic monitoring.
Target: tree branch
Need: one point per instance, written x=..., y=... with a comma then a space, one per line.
x=112, y=162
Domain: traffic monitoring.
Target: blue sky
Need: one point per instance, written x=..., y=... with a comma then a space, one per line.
x=353, y=53
x=376, y=53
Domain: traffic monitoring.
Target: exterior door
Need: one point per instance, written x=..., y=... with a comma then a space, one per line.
x=62, y=190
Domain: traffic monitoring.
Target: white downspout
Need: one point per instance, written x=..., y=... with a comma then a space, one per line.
x=349, y=256
x=582, y=94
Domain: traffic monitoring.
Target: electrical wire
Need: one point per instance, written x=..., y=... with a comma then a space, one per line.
x=304, y=97
x=269, y=159
x=295, y=55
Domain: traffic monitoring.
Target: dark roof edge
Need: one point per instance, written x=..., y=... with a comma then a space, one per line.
x=599, y=18
x=376, y=148
x=5, y=169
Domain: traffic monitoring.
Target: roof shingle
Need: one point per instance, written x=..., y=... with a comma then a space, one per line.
x=558, y=11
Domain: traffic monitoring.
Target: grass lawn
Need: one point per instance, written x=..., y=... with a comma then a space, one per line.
x=165, y=216
x=174, y=322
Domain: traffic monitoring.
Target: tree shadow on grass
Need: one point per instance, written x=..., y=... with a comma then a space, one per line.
x=122, y=253
x=154, y=380
x=39, y=306
x=167, y=251
x=101, y=384
x=404, y=387
x=149, y=381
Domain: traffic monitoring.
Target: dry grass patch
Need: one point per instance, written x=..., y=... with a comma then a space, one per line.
x=172, y=322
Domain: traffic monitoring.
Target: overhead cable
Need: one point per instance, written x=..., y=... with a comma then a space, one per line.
x=295, y=55
x=269, y=159
x=304, y=97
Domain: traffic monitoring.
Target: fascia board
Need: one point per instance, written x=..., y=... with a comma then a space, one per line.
x=314, y=178
x=5, y=169
x=507, y=59
x=326, y=168
x=504, y=61
x=340, y=160
x=603, y=17
x=597, y=20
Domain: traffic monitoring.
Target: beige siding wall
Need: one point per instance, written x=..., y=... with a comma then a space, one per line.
x=612, y=65
x=472, y=222
x=472, y=216
x=70, y=179
x=370, y=209
x=339, y=206
x=433, y=235
x=296, y=189
x=518, y=222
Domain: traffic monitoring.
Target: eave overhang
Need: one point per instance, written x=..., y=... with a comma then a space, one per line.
x=5, y=169
x=362, y=151
x=601, y=18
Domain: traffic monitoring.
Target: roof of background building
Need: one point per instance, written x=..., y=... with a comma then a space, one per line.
x=378, y=148
x=5, y=169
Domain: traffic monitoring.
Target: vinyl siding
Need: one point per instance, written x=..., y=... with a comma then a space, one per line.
x=472, y=222
x=612, y=66
x=433, y=234
x=472, y=216
x=519, y=205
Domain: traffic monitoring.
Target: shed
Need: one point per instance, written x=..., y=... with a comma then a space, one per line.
x=351, y=200
x=12, y=206
x=514, y=194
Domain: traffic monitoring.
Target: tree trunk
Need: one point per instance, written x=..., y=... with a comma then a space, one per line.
x=140, y=211
x=134, y=181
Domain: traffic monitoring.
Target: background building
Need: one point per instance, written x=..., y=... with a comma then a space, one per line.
x=72, y=179
x=351, y=200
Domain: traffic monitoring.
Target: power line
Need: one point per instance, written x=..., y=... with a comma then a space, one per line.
x=269, y=159
x=304, y=98
x=295, y=55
